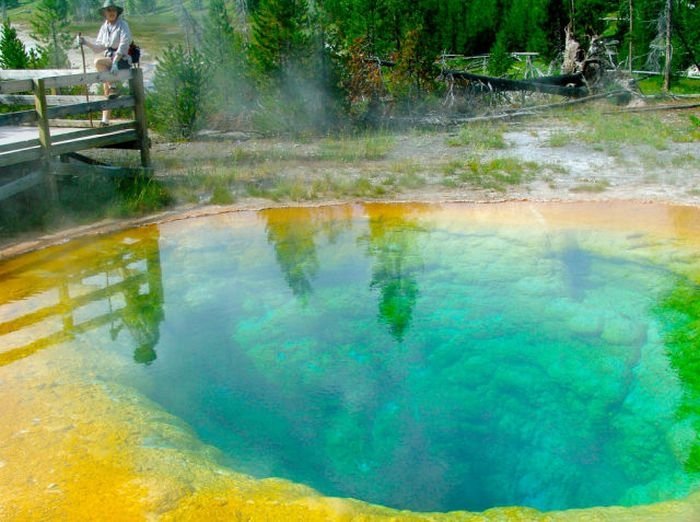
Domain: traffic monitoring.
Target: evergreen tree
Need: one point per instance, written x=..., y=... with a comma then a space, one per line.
x=49, y=24
x=13, y=54
x=281, y=36
x=180, y=92
x=223, y=48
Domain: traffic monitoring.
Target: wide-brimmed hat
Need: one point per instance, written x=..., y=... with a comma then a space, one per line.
x=113, y=4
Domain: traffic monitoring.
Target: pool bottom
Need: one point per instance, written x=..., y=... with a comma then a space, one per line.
x=74, y=448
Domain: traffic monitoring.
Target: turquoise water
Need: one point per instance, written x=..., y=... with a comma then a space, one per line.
x=423, y=361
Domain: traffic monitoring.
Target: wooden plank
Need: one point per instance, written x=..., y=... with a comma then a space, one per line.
x=19, y=145
x=28, y=99
x=109, y=171
x=42, y=118
x=56, y=82
x=35, y=74
x=31, y=150
x=18, y=117
x=20, y=156
x=82, y=108
x=136, y=85
x=44, y=136
x=66, y=136
x=20, y=185
x=94, y=142
x=11, y=86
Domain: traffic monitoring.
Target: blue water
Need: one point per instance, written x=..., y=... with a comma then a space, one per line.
x=409, y=360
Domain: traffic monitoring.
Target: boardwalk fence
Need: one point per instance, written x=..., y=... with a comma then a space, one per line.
x=15, y=86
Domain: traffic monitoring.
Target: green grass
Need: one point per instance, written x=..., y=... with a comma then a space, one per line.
x=480, y=136
x=594, y=186
x=495, y=174
x=610, y=132
x=653, y=84
x=370, y=146
x=560, y=138
x=82, y=199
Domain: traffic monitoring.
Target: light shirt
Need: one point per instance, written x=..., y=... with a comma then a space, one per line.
x=116, y=36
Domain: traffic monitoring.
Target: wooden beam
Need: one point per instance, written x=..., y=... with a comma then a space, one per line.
x=34, y=74
x=83, y=159
x=28, y=99
x=44, y=136
x=20, y=185
x=136, y=86
x=23, y=83
x=82, y=108
x=96, y=131
x=11, y=86
x=21, y=156
x=19, y=145
x=110, y=171
x=56, y=82
x=18, y=117
x=112, y=136
x=95, y=142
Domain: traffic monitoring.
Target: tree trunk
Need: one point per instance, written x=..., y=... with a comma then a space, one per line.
x=631, y=35
x=669, y=50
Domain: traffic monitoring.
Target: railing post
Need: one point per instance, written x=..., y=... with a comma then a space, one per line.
x=40, y=106
x=136, y=87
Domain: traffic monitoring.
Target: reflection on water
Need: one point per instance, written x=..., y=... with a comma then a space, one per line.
x=80, y=288
x=391, y=244
x=420, y=357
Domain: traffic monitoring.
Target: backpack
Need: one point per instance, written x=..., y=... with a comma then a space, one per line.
x=134, y=52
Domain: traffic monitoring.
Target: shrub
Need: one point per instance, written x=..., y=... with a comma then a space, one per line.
x=179, y=100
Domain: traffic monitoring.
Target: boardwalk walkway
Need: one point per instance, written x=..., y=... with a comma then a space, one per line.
x=36, y=137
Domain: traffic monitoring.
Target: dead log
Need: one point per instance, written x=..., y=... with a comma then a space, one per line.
x=573, y=88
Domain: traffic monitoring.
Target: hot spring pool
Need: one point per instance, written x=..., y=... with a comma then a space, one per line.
x=420, y=357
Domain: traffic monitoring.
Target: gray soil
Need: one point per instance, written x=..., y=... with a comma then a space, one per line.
x=566, y=170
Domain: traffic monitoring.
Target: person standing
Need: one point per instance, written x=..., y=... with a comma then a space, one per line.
x=113, y=40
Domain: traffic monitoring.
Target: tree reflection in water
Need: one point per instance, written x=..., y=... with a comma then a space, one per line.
x=292, y=235
x=88, y=284
x=391, y=242
x=292, y=232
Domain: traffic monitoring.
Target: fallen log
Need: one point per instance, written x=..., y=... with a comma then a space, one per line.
x=656, y=108
x=548, y=84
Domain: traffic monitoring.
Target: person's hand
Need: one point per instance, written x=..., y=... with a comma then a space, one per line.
x=115, y=67
x=79, y=40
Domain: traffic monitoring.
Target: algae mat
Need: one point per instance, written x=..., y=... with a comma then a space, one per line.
x=454, y=360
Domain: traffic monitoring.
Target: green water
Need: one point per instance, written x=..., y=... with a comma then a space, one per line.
x=420, y=361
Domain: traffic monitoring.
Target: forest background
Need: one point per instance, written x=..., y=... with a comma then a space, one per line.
x=319, y=65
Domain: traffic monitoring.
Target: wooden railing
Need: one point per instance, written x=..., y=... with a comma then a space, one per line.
x=48, y=107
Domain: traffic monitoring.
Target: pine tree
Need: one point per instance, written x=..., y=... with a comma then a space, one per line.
x=13, y=54
x=281, y=35
x=224, y=50
x=49, y=24
x=180, y=92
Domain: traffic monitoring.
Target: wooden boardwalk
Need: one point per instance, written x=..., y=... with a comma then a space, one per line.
x=36, y=137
